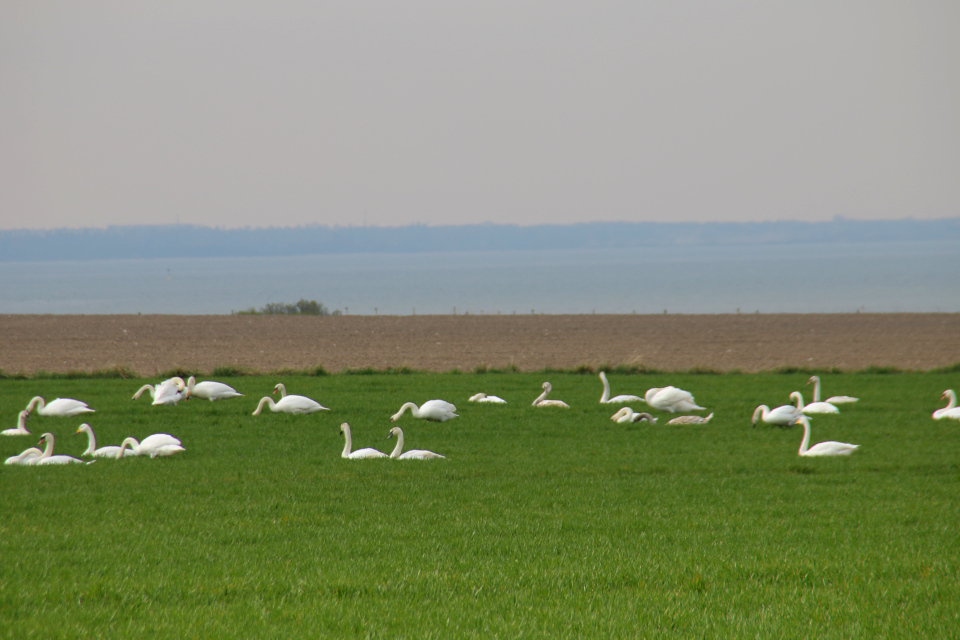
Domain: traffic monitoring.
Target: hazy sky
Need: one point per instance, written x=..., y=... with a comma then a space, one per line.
x=238, y=113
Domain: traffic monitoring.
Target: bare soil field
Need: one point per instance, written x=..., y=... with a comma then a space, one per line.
x=152, y=344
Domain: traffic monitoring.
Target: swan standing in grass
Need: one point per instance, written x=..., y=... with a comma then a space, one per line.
x=815, y=381
x=542, y=401
x=482, y=397
x=210, y=390
x=626, y=414
x=951, y=411
x=102, y=452
x=691, y=420
x=433, y=410
x=828, y=448
x=170, y=391
x=359, y=454
x=158, y=444
x=25, y=457
x=671, y=399
x=21, y=429
x=606, y=399
x=413, y=454
x=62, y=407
x=785, y=415
x=47, y=456
x=813, y=407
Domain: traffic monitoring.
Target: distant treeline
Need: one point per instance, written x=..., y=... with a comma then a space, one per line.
x=191, y=241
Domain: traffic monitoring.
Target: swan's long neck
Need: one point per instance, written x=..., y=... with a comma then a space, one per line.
x=951, y=399
x=606, y=388
x=282, y=390
x=397, y=450
x=547, y=388
x=91, y=442
x=798, y=399
x=47, y=450
x=761, y=411
x=816, y=388
x=146, y=387
x=127, y=442
x=414, y=410
x=22, y=422
x=347, y=441
x=806, y=436
x=37, y=403
x=268, y=401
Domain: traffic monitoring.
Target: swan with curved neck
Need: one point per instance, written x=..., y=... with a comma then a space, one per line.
x=359, y=454
x=290, y=404
x=21, y=429
x=47, y=456
x=785, y=415
x=626, y=414
x=605, y=397
x=951, y=411
x=61, y=407
x=25, y=457
x=210, y=390
x=146, y=387
x=412, y=454
x=432, y=410
x=813, y=407
x=102, y=452
x=671, y=399
x=541, y=400
x=829, y=448
x=815, y=381
x=156, y=445
x=482, y=397
x=169, y=392
x=691, y=419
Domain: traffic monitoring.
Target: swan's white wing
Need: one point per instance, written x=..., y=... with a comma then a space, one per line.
x=831, y=448
x=66, y=407
x=820, y=407
x=785, y=414
x=842, y=399
x=419, y=454
x=299, y=404
x=625, y=399
x=210, y=390
x=437, y=405
x=158, y=440
x=368, y=452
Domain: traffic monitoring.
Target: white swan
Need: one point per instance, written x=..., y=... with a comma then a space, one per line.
x=671, y=399
x=785, y=415
x=62, y=407
x=25, y=457
x=21, y=429
x=951, y=411
x=433, y=410
x=158, y=444
x=413, y=454
x=691, y=420
x=47, y=456
x=813, y=407
x=815, y=380
x=169, y=392
x=210, y=390
x=829, y=448
x=606, y=399
x=626, y=414
x=102, y=452
x=359, y=454
x=542, y=401
x=482, y=397
x=290, y=404
x=146, y=387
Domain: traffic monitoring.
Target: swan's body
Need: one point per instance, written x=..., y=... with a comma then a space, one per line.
x=290, y=404
x=359, y=454
x=210, y=390
x=833, y=399
x=482, y=397
x=433, y=410
x=25, y=457
x=783, y=416
x=21, y=429
x=156, y=445
x=102, y=452
x=413, y=454
x=47, y=456
x=691, y=420
x=61, y=407
x=606, y=399
x=951, y=411
x=828, y=448
x=813, y=407
x=169, y=392
x=671, y=399
x=626, y=414
x=542, y=401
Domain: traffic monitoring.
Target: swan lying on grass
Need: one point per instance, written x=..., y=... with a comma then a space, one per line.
x=627, y=414
x=61, y=407
x=829, y=448
x=289, y=404
x=25, y=457
x=815, y=381
x=605, y=397
x=359, y=454
x=813, y=407
x=413, y=454
x=691, y=420
x=47, y=456
x=482, y=397
x=156, y=445
x=433, y=410
x=102, y=452
x=671, y=399
x=21, y=429
x=951, y=411
x=210, y=390
x=785, y=415
x=542, y=401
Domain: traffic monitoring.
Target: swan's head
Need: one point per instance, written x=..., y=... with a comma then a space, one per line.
x=24, y=416
x=394, y=431
x=277, y=388
x=547, y=387
x=797, y=397
x=84, y=428
x=344, y=428
x=47, y=437
x=813, y=379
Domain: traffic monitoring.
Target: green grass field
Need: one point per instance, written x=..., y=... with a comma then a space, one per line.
x=540, y=522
